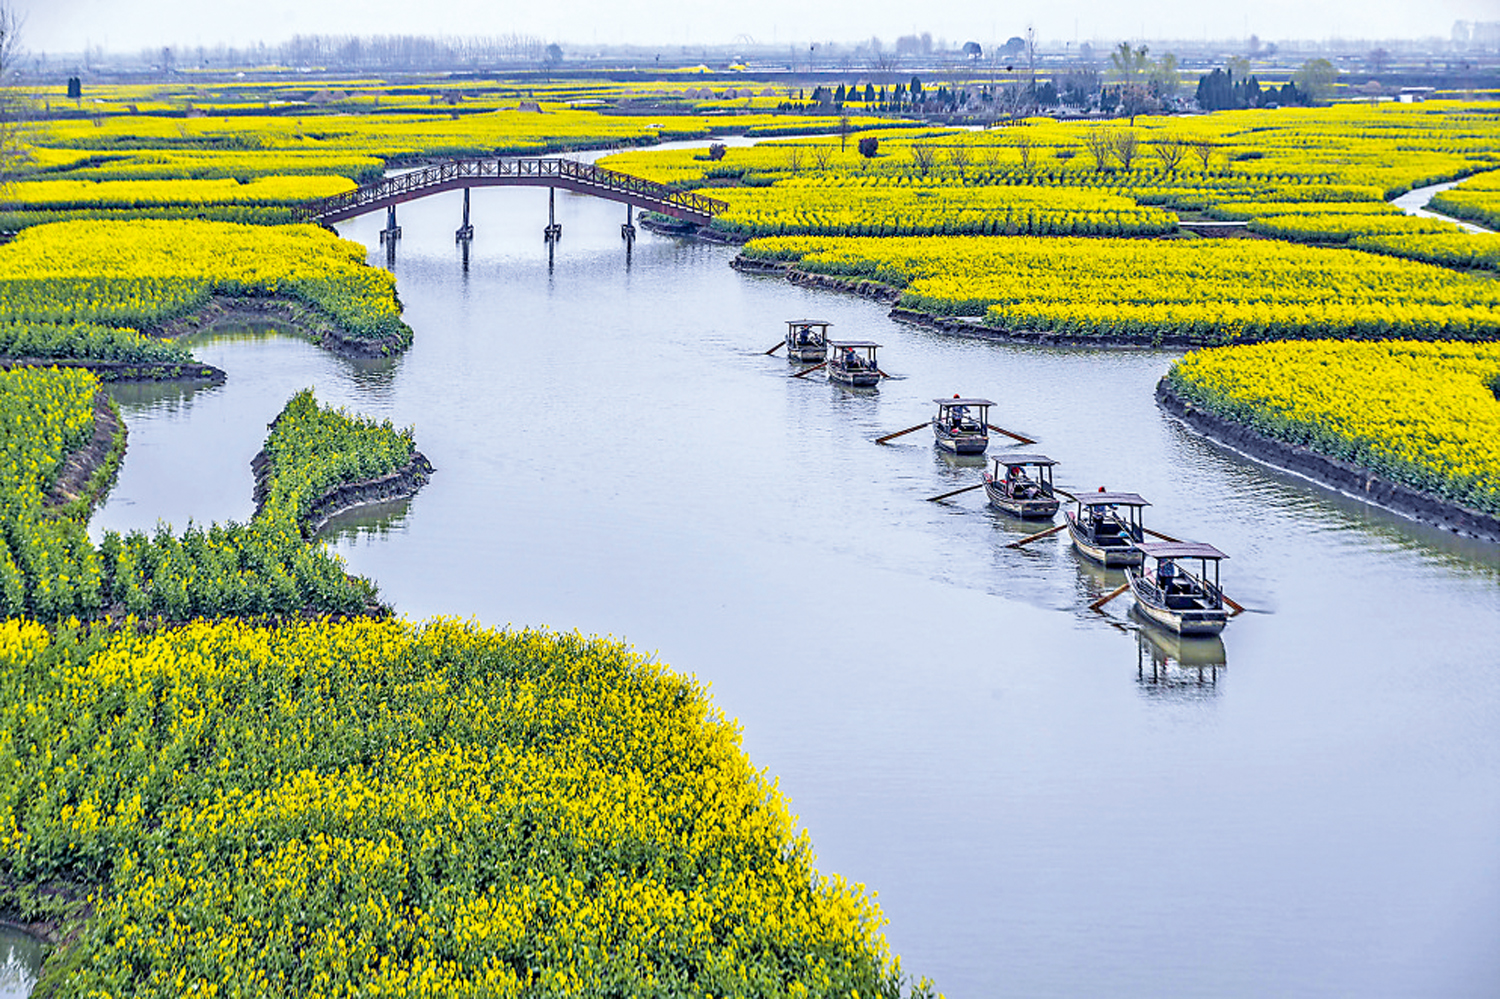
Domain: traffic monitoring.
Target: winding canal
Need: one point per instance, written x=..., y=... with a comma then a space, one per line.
x=1049, y=802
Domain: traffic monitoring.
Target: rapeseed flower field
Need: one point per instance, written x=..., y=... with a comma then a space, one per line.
x=1213, y=291
x=382, y=808
x=142, y=273
x=1425, y=414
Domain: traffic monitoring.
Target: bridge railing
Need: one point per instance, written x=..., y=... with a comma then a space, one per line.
x=585, y=175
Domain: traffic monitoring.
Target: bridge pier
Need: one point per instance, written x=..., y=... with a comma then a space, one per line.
x=553, y=230
x=627, y=231
x=392, y=231
x=466, y=231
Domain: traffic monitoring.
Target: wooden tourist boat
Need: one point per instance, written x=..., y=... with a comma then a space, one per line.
x=1106, y=528
x=1170, y=595
x=852, y=363
x=962, y=425
x=806, y=339
x=1014, y=491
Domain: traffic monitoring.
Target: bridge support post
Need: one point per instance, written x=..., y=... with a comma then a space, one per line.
x=465, y=231
x=553, y=230
x=392, y=231
x=627, y=231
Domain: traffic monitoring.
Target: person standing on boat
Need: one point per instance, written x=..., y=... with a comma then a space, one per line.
x=1166, y=571
x=958, y=413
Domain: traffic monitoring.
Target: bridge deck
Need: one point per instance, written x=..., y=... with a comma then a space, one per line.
x=570, y=175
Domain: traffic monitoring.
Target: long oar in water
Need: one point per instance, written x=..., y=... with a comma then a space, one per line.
x=808, y=371
x=779, y=345
x=1234, y=607
x=1002, y=430
x=1098, y=605
x=908, y=430
x=882, y=374
x=965, y=489
x=1035, y=537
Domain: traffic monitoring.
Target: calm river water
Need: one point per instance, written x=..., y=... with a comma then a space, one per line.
x=1049, y=802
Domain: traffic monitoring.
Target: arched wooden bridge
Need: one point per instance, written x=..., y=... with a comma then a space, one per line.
x=570, y=175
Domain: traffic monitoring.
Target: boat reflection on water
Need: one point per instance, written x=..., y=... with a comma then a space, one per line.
x=1169, y=665
x=950, y=460
x=1094, y=580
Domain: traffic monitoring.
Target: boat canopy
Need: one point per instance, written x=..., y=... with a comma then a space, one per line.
x=963, y=402
x=1006, y=460
x=1111, y=499
x=1180, y=549
x=808, y=322
x=852, y=343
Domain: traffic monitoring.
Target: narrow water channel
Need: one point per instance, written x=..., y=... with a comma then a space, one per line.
x=1048, y=801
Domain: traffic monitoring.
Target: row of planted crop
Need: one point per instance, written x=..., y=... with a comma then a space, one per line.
x=378, y=808
x=1385, y=151
x=841, y=209
x=92, y=194
x=1423, y=414
x=49, y=570
x=1210, y=291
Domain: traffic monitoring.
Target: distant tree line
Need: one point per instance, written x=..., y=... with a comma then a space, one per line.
x=375, y=52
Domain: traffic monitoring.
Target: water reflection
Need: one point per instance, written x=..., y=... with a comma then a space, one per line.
x=368, y=523
x=1171, y=667
x=20, y=963
x=166, y=398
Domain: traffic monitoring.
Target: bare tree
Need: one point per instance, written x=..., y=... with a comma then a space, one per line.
x=13, y=151
x=1170, y=150
x=794, y=158
x=959, y=158
x=1203, y=149
x=1024, y=145
x=1127, y=145
x=923, y=157
x=822, y=155
x=1101, y=146
x=885, y=64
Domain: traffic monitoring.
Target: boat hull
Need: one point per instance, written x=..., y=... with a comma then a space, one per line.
x=1111, y=556
x=960, y=442
x=1036, y=508
x=1193, y=622
x=855, y=378
x=808, y=353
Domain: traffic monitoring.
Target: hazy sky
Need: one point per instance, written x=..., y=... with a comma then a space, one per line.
x=130, y=25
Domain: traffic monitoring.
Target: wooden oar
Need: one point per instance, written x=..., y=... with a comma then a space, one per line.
x=1063, y=492
x=1033, y=537
x=1235, y=608
x=882, y=374
x=778, y=346
x=1002, y=430
x=919, y=426
x=965, y=489
x=1164, y=537
x=1098, y=605
x=808, y=371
